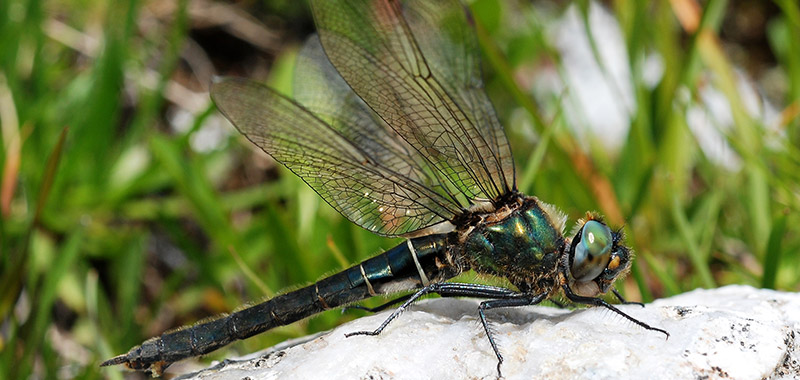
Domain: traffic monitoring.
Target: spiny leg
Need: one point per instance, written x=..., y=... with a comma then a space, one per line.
x=623, y=301
x=600, y=302
x=502, y=298
x=524, y=300
x=380, y=307
x=446, y=289
x=394, y=314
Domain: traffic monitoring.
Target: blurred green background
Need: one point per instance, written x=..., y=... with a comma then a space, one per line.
x=129, y=206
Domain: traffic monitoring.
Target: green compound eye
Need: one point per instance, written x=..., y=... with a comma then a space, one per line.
x=592, y=252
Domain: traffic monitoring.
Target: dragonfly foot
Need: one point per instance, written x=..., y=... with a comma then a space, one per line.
x=369, y=333
x=499, y=364
x=600, y=302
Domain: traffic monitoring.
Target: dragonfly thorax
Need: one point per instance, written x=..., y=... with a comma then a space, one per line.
x=522, y=241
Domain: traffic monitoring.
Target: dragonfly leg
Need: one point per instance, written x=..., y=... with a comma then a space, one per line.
x=380, y=307
x=502, y=297
x=600, y=302
x=523, y=300
x=623, y=301
x=394, y=314
x=444, y=289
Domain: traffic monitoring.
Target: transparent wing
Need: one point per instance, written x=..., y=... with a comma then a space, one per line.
x=346, y=176
x=415, y=65
x=320, y=89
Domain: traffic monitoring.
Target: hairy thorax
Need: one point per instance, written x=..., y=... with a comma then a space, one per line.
x=522, y=240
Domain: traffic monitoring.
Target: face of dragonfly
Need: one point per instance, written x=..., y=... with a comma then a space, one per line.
x=597, y=256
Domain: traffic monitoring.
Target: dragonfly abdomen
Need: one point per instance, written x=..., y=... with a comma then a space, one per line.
x=409, y=265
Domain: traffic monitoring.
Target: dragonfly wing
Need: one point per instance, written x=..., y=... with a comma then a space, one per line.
x=370, y=194
x=416, y=66
x=320, y=89
x=444, y=31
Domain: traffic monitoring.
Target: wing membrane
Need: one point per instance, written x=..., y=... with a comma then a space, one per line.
x=390, y=124
x=320, y=89
x=425, y=86
x=346, y=176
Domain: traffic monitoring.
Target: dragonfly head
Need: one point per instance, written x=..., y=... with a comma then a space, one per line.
x=597, y=256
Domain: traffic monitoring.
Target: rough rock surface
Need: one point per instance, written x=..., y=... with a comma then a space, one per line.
x=735, y=332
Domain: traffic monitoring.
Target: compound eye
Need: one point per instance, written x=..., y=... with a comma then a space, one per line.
x=592, y=252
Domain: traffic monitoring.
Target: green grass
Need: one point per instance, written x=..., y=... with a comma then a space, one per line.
x=115, y=228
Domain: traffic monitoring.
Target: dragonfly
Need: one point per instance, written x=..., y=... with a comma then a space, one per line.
x=389, y=123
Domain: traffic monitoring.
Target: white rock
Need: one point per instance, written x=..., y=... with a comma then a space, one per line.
x=735, y=332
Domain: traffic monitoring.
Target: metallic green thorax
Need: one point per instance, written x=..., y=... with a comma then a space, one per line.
x=524, y=247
